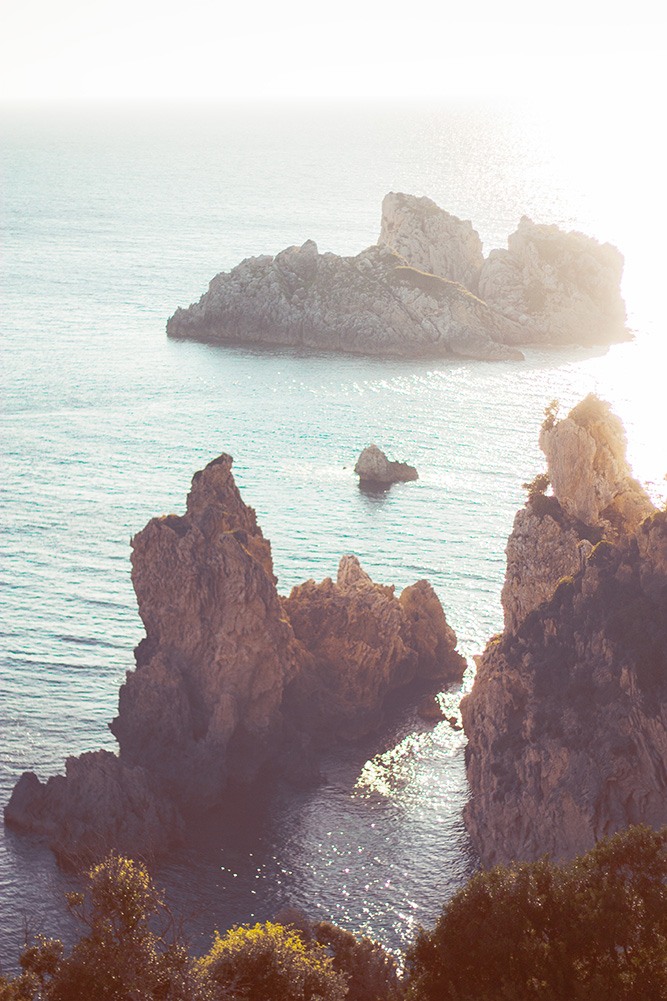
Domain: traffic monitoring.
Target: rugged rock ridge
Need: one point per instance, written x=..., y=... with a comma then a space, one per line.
x=424, y=290
x=370, y=304
x=563, y=288
x=567, y=719
x=225, y=685
x=365, y=642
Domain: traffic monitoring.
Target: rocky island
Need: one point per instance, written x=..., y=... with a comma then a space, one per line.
x=232, y=680
x=567, y=718
x=424, y=290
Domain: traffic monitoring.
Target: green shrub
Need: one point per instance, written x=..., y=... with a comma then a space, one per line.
x=269, y=962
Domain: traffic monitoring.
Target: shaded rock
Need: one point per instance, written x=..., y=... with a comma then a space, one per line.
x=97, y=803
x=365, y=643
x=203, y=705
x=369, y=304
x=567, y=718
x=373, y=466
x=562, y=288
x=431, y=239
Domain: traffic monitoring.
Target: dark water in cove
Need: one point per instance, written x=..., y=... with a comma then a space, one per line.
x=107, y=226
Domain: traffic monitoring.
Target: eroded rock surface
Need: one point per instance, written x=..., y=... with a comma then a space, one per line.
x=225, y=685
x=374, y=467
x=431, y=239
x=365, y=643
x=567, y=718
x=373, y=303
x=562, y=288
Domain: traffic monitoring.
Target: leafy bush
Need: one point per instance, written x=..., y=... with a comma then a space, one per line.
x=269, y=962
x=595, y=929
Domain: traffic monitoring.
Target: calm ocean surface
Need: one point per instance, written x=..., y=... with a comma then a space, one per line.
x=106, y=226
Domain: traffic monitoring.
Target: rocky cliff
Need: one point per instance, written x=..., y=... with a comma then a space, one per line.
x=562, y=288
x=373, y=303
x=424, y=290
x=230, y=680
x=567, y=719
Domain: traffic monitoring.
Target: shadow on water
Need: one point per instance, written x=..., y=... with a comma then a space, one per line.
x=374, y=494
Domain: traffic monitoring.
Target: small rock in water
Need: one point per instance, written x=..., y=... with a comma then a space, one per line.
x=373, y=466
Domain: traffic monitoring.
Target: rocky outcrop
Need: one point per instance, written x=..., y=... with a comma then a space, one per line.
x=373, y=467
x=594, y=496
x=424, y=290
x=431, y=239
x=99, y=802
x=365, y=643
x=370, y=304
x=225, y=685
x=562, y=288
x=567, y=718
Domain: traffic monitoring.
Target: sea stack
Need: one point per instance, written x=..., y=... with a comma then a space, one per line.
x=231, y=681
x=567, y=718
x=375, y=469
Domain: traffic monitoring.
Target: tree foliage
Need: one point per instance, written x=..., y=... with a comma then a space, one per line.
x=594, y=929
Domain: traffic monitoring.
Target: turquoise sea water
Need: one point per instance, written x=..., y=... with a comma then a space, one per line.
x=107, y=225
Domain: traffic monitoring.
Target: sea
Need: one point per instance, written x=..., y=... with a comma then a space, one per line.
x=111, y=218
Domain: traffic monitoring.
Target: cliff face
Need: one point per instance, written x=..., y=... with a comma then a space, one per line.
x=562, y=288
x=225, y=685
x=431, y=239
x=365, y=643
x=370, y=304
x=567, y=719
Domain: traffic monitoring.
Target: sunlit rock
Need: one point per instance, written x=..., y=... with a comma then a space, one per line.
x=372, y=304
x=373, y=467
x=561, y=288
x=431, y=239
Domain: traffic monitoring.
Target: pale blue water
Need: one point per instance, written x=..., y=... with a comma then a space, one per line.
x=107, y=226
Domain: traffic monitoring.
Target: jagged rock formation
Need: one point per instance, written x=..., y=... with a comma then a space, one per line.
x=567, y=719
x=594, y=497
x=423, y=290
x=365, y=643
x=431, y=239
x=562, y=288
x=374, y=467
x=97, y=803
x=225, y=686
x=370, y=304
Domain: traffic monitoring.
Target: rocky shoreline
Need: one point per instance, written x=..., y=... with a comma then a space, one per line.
x=424, y=290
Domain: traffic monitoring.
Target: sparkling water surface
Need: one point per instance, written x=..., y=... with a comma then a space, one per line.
x=107, y=226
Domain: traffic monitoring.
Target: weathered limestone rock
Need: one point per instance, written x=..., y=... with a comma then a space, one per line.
x=430, y=239
x=373, y=303
x=365, y=643
x=594, y=497
x=97, y=803
x=223, y=688
x=373, y=466
x=588, y=469
x=203, y=705
x=567, y=718
x=562, y=288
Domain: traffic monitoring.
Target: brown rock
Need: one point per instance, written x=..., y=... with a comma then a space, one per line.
x=373, y=467
x=365, y=643
x=567, y=718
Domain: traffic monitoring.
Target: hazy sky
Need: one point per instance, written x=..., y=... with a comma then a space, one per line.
x=90, y=50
